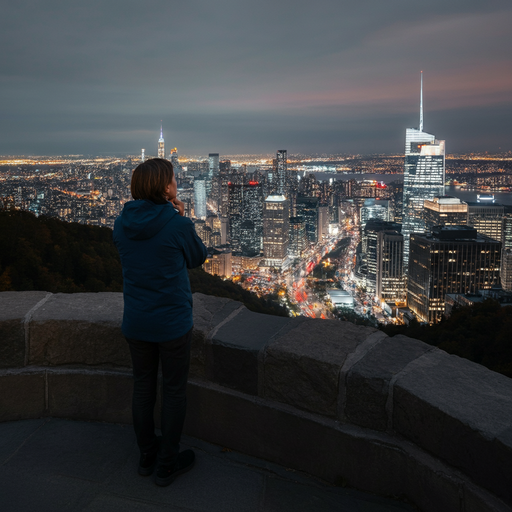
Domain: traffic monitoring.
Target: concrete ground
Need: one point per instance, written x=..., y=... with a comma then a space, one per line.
x=53, y=465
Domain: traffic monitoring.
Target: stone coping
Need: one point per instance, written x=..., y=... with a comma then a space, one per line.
x=458, y=412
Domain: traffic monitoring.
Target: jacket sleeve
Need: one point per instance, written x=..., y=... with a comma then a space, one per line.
x=193, y=248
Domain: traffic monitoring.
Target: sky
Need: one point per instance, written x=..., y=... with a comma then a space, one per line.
x=252, y=77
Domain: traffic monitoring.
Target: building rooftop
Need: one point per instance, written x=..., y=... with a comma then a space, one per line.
x=275, y=199
x=53, y=465
x=447, y=200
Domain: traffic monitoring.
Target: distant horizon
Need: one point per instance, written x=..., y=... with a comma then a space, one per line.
x=507, y=155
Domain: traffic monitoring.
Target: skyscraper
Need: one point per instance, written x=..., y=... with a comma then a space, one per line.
x=307, y=211
x=374, y=209
x=454, y=259
x=175, y=160
x=298, y=241
x=161, y=143
x=276, y=221
x=424, y=176
x=444, y=211
x=282, y=172
x=213, y=171
x=200, y=198
x=390, y=279
x=506, y=269
x=487, y=219
x=245, y=217
x=370, y=250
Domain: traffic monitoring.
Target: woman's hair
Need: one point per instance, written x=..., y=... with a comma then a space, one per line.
x=150, y=178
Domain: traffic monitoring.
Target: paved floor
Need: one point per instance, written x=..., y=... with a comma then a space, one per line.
x=53, y=465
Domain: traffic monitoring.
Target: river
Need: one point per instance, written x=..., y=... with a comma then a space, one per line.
x=465, y=195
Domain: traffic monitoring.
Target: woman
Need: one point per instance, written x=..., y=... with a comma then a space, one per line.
x=157, y=245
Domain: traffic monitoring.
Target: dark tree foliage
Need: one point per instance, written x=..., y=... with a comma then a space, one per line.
x=201, y=281
x=48, y=254
x=339, y=250
x=43, y=253
x=324, y=272
x=481, y=333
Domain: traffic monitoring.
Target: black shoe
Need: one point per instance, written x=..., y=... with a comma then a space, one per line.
x=147, y=461
x=165, y=475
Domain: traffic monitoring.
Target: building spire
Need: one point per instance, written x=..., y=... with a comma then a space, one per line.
x=161, y=129
x=421, y=103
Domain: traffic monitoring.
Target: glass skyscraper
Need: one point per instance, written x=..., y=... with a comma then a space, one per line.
x=200, y=198
x=276, y=230
x=282, y=172
x=213, y=171
x=424, y=176
x=245, y=208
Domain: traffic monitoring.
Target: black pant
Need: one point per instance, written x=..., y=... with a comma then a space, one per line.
x=175, y=357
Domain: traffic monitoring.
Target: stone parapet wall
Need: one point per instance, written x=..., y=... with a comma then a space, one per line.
x=275, y=387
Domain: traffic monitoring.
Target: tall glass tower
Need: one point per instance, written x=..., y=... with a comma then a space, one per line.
x=282, y=172
x=200, y=198
x=161, y=143
x=424, y=176
x=213, y=171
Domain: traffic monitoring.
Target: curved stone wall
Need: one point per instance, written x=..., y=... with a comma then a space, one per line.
x=347, y=403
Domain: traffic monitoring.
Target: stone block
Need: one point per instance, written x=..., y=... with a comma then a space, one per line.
x=22, y=394
x=92, y=395
x=478, y=500
x=341, y=454
x=80, y=328
x=233, y=356
x=462, y=413
x=209, y=311
x=367, y=384
x=302, y=367
x=14, y=307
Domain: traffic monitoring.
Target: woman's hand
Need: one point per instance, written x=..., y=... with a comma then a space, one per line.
x=179, y=206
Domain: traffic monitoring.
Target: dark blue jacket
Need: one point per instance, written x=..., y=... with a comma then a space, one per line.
x=156, y=246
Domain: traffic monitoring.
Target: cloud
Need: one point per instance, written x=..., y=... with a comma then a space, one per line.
x=323, y=73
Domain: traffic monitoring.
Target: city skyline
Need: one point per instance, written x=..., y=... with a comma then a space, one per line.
x=235, y=78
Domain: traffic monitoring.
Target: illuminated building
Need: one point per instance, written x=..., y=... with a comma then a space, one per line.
x=369, y=246
x=374, y=209
x=370, y=188
x=506, y=269
x=444, y=211
x=204, y=232
x=323, y=221
x=424, y=176
x=282, y=172
x=143, y=156
x=219, y=263
x=307, y=210
x=298, y=242
x=200, y=199
x=213, y=171
x=487, y=218
x=161, y=144
x=175, y=160
x=506, y=238
x=454, y=259
x=390, y=279
x=245, y=209
x=275, y=230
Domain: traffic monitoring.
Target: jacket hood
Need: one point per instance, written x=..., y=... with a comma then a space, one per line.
x=142, y=219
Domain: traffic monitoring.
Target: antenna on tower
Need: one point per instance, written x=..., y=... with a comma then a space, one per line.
x=421, y=103
x=161, y=129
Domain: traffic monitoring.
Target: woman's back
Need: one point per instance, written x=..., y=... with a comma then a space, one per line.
x=156, y=246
